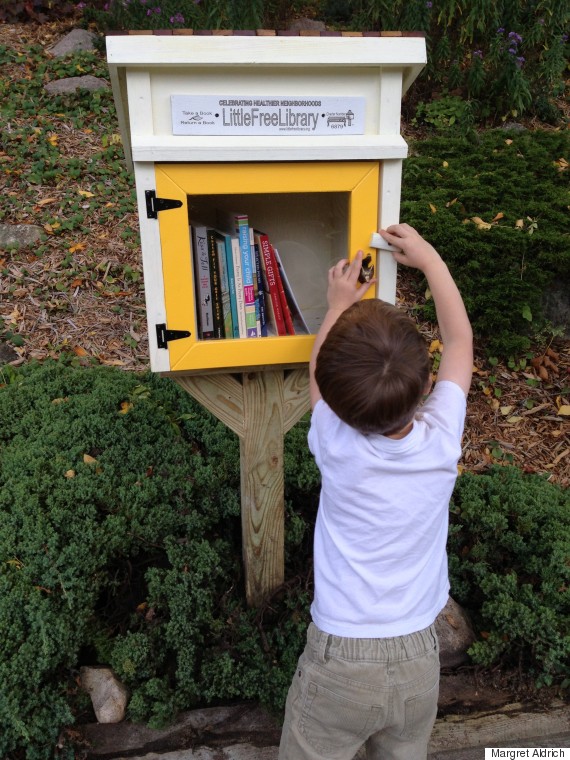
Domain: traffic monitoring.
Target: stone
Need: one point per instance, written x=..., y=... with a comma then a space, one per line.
x=19, y=235
x=77, y=39
x=455, y=635
x=7, y=354
x=72, y=84
x=306, y=24
x=556, y=303
x=108, y=695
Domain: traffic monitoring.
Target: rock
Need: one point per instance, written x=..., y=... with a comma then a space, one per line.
x=7, y=354
x=306, y=24
x=514, y=126
x=72, y=84
x=108, y=695
x=556, y=301
x=455, y=635
x=19, y=234
x=77, y=39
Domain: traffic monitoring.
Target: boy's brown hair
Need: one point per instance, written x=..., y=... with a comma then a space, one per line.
x=373, y=367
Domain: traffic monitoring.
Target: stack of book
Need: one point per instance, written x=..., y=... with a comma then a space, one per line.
x=242, y=290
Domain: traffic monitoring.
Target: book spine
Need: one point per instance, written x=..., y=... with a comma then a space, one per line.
x=217, y=304
x=224, y=280
x=282, y=296
x=272, y=288
x=202, y=282
x=240, y=302
x=242, y=226
x=232, y=285
x=260, y=293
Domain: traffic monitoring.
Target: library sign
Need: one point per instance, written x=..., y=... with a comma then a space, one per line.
x=266, y=115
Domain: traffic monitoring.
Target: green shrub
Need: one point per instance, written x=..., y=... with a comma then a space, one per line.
x=505, y=57
x=509, y=549
x=514, y=187
x=120, y=543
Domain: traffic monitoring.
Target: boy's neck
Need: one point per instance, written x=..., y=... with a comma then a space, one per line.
x=401, y=433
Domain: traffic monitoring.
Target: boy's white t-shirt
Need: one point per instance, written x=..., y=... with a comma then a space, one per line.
x=381, y=530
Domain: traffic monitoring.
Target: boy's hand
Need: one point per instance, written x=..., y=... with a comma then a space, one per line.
x=414, y=250
x=343, y=279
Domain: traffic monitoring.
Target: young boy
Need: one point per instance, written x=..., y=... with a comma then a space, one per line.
x=370, y=670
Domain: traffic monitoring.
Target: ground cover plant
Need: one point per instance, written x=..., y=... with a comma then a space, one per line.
x=120, y=545
x=496, y=204
x=504, y=58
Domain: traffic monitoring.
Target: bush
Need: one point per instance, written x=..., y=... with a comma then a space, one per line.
x=120, y=540
x=505, y=57
x=494, y=205
x=509, y=549
x=121, y=545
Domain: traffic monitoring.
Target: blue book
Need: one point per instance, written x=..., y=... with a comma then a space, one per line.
x=231, y=284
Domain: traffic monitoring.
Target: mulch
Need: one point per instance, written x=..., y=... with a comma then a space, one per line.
x=516, y=414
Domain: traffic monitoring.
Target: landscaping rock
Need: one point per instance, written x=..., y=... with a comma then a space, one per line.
x=7, y=354
x=77, y=39
x=306, y=24
x=455, y=635
x=557, y=305
x=72, y=84
x=108, y=695
x=19, y=234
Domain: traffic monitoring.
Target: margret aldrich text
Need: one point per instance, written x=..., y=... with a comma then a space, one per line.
x=513, y=753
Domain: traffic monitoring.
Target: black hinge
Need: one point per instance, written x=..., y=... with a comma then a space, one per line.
x=154, y=204
x=163, y=335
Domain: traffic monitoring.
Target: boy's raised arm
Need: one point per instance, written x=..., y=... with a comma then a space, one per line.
x=456, y=333
x=341, y=293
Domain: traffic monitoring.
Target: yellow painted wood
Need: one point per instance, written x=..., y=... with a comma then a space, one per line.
x=360, y=180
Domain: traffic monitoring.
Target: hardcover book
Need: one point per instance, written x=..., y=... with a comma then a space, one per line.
x=202, y=281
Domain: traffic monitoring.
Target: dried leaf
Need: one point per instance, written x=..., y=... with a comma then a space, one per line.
x=481, y=225
x=78, y=351
x=70, y=474
x=88, y=459
x=433, y=208
x=86, y=193
x=500, y=215
x=451, y=203
x=564, y=410
x=126, y=407
x=435, y=345
x=506, y=410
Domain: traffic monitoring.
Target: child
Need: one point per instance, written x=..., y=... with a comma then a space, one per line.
x=370, y=670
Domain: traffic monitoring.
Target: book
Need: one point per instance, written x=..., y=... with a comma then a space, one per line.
x=259, y=292
x=202, y=281
x=299, y=323
x=225, y=285
x=239, y=223
x=230, y=269
x=215, y=284
x=240, y=296
x=275, y=318
x=282, y=295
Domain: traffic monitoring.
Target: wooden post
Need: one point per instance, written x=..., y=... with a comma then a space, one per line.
x=260, y=407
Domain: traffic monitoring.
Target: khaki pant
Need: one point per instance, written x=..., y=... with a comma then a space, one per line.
x=349, y=692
